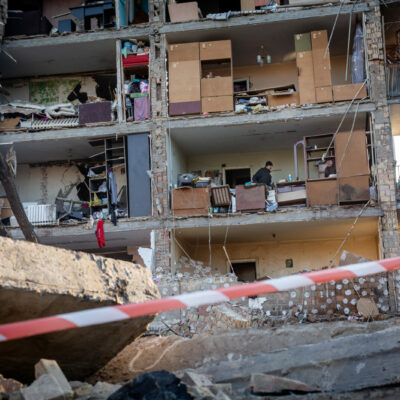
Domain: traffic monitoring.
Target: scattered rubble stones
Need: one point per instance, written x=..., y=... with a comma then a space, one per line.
x=103, y=390
x=9, y=385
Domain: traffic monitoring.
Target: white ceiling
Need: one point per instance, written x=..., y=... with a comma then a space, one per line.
x=310, y=230
x=88, y=241
x=60, y=59
x=55, y=150
x=277, y=38
x=257, y=137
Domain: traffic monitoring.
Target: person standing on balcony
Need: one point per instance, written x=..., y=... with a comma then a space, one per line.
x=263, y=175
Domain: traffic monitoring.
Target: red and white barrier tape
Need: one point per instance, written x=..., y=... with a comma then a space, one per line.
x=104, y=315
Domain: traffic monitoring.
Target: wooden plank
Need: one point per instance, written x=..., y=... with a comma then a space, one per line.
x=7, y=180
x=354, y=189
x=184, y=81
x=306, y=85
x=190, y=201
x=322, y=192
x=355, y=158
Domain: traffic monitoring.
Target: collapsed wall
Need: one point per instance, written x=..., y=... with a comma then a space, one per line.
x=38, y=281
x=327, y=301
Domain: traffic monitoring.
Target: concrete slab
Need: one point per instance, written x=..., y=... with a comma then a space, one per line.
x=38, y=281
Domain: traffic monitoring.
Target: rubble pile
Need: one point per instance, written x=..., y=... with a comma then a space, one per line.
x=314, y=361
x=330, y=301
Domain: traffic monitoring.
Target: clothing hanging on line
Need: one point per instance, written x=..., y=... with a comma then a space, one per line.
x=112, y=187
x=101, y=241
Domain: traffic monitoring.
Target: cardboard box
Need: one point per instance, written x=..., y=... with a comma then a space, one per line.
x=247, y=5
x=319, y=40
x=180, y=12
x=324, y=94
x=222, y=86
x=347, y=92
x=217, y=104
x=187, y=201
x=217, y=50
x=184, y=81
x=306, y=86
x=302, y=42
x=322, y=68
x=275, y=101
x=184, y=52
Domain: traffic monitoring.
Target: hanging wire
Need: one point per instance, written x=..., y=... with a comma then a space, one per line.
x=333, y=28
x=348, y=140
x=342, y=120
x=349, y=232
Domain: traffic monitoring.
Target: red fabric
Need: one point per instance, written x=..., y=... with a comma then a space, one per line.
x=136, y=60
x=100, y=234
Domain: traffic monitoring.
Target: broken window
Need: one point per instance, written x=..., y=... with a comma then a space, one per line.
x=246, y=271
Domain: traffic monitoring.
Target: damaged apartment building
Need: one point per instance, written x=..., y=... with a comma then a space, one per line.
x=134, y=129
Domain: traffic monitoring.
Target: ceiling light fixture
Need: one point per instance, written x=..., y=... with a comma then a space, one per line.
x=263, y=57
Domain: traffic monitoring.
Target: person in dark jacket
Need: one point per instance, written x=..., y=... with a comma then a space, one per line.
x=263, y=175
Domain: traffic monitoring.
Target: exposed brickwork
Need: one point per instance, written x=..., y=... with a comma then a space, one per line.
x=158, y=76
x=157, y=10
x=162, y=250
x=332, y=300
x=385, y=164
x=159, y=110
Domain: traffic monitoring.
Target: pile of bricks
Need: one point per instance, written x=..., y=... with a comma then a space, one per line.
x=330, y=300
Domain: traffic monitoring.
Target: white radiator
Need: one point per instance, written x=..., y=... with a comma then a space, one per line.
x=39, y=214
x=42, y=214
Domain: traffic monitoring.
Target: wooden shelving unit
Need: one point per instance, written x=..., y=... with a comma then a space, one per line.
x=314, y=148
x=112, y=156
x=216, y=92
x=351, y=183
x=141, y=72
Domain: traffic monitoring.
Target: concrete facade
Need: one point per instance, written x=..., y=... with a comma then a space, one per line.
x=158, y=31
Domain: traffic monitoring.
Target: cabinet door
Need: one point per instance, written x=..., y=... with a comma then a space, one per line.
x=355, y=161
x=138, y=163
x=184, y=81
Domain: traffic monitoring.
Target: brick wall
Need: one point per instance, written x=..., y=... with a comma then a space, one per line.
x=381, y=127
x=333, y=300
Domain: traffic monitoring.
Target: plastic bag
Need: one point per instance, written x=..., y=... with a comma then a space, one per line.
x=357, y=58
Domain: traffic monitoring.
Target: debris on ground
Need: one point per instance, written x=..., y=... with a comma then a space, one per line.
x=261, y=384
x=154, y=385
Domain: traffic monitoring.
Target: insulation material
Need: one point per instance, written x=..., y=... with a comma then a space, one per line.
x=357, y=58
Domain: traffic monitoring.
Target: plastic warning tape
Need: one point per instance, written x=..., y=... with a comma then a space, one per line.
x=102, y=315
